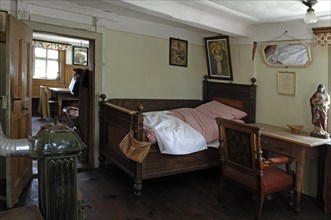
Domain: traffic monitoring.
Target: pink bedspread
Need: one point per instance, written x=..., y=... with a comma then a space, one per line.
x=198, y=120
x=202, y=119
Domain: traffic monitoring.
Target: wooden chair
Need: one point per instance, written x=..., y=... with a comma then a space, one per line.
x=241, y=162
x=46, y=105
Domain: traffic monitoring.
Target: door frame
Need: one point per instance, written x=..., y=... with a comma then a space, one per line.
x=93, y=134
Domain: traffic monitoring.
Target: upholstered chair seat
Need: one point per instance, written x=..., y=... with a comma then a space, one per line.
x=271, y=176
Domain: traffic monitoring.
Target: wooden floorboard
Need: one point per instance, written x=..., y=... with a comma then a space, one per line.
x=108, y=194
x=22, y=213
x=184, y=196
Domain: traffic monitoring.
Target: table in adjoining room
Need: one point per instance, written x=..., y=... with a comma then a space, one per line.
x=61, y=94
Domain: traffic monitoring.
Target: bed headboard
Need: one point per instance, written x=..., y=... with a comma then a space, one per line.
x=239, y=96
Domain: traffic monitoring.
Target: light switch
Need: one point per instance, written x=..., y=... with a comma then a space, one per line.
x=4, y=102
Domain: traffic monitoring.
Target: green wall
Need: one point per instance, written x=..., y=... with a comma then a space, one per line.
x=137, y=66
x=281, y=110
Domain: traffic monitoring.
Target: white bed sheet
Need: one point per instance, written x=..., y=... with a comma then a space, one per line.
x=173, y=135
x=214, y=144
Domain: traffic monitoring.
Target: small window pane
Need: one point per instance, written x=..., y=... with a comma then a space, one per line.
x=39, y=73
x=40, y=63
x=40, y=52
x=52, y=69
x=53, y=54
x=53, y=65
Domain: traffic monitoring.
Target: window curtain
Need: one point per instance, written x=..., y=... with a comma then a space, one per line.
x=50, y=45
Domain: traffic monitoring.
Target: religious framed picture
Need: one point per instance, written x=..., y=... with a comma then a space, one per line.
x=80, y=55
x=218, y=57
x=177, y=52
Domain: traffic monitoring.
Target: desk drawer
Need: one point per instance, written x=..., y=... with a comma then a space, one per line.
x=278, y=146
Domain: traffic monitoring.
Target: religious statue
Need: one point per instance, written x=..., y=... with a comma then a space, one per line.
x=319, y=103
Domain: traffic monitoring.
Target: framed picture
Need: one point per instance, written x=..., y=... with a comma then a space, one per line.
x=177, y=52
x=286, y=83
x=80, y=55
x=218, y=57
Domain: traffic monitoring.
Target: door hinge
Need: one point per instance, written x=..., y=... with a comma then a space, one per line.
x=4, y=102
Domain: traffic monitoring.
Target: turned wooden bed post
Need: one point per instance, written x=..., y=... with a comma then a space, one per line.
x=102, y=137
x=137, y=187
x=139, y=123
x=220, y=193
x=139, y=135
x=204, y=88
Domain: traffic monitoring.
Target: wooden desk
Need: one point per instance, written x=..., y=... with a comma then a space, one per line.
x=300, y=147
x=61, y=94
x=327, y=206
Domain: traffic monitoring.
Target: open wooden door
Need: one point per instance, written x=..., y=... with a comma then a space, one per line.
x=17, y=120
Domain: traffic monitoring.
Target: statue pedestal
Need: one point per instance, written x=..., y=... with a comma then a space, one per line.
x=324, y=136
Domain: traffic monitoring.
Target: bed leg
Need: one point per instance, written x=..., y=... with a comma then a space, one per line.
x=138, y=179
x=102, y=161
x=137, y=187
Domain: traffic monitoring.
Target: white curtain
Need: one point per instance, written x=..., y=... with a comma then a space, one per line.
x=50, y=45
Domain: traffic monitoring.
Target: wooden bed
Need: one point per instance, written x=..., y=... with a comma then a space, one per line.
x=115, y=118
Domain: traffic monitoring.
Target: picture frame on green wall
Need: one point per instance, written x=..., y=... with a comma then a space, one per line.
x=286, y=83
x=219, y=57
x=178, y=52
x=80, y=56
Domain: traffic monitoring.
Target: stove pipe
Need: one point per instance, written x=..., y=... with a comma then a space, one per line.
x=13, y=147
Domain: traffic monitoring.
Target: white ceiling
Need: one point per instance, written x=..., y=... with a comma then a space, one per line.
x=251, y=11
x=206, y=15
x=234, y=18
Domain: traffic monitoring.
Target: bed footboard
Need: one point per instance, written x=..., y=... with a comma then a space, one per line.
x=115, y=122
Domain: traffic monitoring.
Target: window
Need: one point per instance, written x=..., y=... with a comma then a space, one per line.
x=46, y=63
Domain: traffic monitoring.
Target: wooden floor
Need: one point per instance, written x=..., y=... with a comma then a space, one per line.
x=37, y=123
x=109, y=195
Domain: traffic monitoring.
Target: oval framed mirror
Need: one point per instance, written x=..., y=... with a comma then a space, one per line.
x=286, y=54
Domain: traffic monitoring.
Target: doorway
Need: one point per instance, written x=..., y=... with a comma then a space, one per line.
x=94, y=66
x=60, y=62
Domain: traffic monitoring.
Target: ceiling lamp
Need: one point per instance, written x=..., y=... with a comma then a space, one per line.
x=310, y=17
